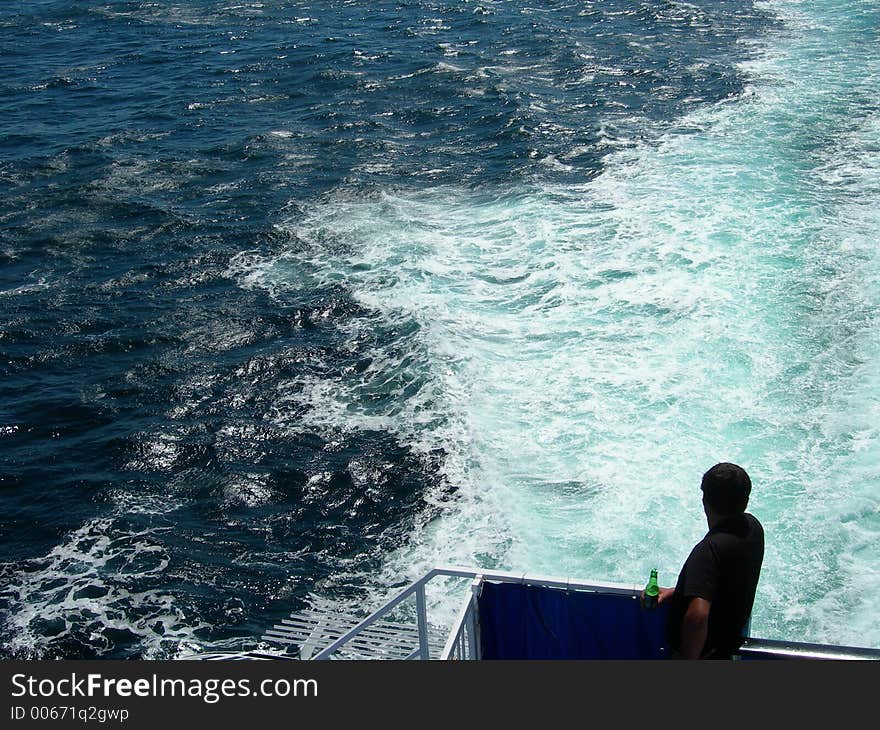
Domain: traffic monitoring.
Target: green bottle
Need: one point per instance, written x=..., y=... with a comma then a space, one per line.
x=652, y=590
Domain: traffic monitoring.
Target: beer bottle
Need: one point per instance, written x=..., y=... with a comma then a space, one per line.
x=652, y=590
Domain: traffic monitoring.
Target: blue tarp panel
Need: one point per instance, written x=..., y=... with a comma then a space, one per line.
x=519, y=621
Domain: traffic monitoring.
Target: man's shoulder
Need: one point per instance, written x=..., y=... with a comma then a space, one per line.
x=746, y=533
x=704, y=548
x=755, y=524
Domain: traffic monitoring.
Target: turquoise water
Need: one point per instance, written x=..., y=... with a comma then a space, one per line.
x=585, y=351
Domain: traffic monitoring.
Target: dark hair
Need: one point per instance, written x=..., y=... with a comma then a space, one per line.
x=726, y=488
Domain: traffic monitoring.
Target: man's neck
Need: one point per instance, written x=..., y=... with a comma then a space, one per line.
x=715, y=520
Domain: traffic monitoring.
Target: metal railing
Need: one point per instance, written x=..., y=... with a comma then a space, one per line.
x=463, y=641
x=755, y=648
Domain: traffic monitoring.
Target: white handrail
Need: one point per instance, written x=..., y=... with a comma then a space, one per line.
x=453, y=571
x=373, y=617
x=544, y=580
x=455, y=635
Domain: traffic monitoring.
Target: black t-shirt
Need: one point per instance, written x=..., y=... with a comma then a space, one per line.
x=723, y=568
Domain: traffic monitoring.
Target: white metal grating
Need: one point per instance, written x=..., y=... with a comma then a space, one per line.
x=311, y=631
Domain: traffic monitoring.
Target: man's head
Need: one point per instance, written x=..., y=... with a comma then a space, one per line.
x=726, y=488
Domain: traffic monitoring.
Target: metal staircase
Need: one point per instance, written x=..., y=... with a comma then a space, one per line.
x=309, y=632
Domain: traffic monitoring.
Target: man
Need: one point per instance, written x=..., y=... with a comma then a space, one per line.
x=712, y=600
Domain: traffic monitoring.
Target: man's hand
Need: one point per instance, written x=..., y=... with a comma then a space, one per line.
x=665, y=594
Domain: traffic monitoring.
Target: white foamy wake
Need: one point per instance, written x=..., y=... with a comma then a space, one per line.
x=78, y=592
x=583, y=354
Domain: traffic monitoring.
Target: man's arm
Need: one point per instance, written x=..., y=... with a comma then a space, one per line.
x=695, y=628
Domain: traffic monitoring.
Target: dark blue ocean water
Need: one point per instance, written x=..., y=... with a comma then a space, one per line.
x=155, y=491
